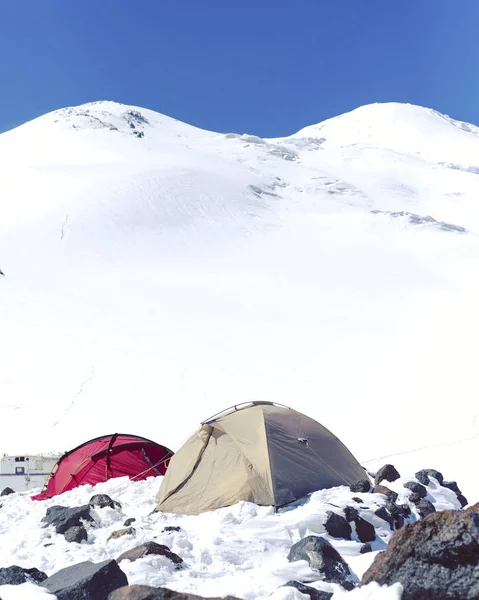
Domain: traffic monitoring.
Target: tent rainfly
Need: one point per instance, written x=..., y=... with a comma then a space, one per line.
x=106, y=457
x=258, y=452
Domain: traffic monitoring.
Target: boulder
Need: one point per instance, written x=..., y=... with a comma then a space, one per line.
x=114, y=535
x=145, y=592
x=7, y=491
x=414, y=498
x=62, y=517
x=365, y=548
x=452, y=485
x=337, y=526
x=362, y=485
x=86, y=581
x=416, y=488
x=322, y=557
x=424, y=508
x=382, y=489
x=16, y=575
x=307, y=590
x=150, y=548
x=382, y=513
x=462, y=500
x=102, y=501
x=351, y=513
x=388, y=472
x=430, y=473
x=358, y=500
x=128, y=522
x=76, y=534
x=436, y=557
x=364, y=530
x=171, y=528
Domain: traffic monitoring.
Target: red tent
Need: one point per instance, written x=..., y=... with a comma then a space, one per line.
x=104, y=458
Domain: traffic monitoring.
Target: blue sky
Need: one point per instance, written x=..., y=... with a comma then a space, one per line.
x=267, y=67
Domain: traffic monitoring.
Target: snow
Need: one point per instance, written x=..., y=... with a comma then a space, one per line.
x=239, y=550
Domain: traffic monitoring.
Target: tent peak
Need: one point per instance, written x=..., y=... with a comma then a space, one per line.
x=242, y=406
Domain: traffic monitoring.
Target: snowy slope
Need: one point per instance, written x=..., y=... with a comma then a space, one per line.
x=156, y=273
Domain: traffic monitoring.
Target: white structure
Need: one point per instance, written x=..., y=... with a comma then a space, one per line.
x=26, y=472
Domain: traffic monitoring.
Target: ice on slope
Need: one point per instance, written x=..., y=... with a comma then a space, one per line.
x=152, y=281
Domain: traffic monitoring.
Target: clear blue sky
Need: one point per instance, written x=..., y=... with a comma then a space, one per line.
x=267, y=67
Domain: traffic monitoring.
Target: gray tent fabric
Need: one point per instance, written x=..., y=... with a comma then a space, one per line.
x=260, y=452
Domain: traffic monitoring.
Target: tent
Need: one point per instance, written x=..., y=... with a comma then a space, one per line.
x=104, y=458
x=259, y=452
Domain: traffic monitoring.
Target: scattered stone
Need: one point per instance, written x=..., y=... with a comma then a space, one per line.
x=76, y=534
x=388, y=472
x=417, y=488
x=406, y=511
x=337, y=526
x=433, y=473
x=114, y=535
x=382, y=513
x=350, y=513
x=86, y=581
x=145, y=592
x=452, y=485
x=102, y=501
x=322, y=557
x=358, y=500
x=171, y=528
x=307, y=590
x=422, y=477
x=149, y=548
x=414, y=498
x=462, y=500
x=362, y=485
x=365, y=530
x=424, y=508
x=382, y=489
x=17, y=575
x=436, y=557
x=62, y=518
x=128, y=522
x=7, y=491
x=365, y=548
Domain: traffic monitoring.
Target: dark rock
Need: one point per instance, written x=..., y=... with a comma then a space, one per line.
x=128, y=522
x=362, y=485
x=365, y=548
x=414, y=498
x=424, y=508
x=102, y=501
x=114, y=535
x=337, y=526
x=358, y=500
x=7, y=491
x=452, y=485
x=145, y=592
x=382, y=489
x=382, y=513
x=350, y=513
x=434, y=558
x=307, y=590
x=150, y=548
x=322, y=557
x=417, y=488
x=365, y=530
x=171, y=528
x=422, y=477
x=432, y=473
x=462, y=500
x=62, y=518
x=76, y=534
x=388, y=472
x=86, y=581
x=16, y=575
x=406, y=511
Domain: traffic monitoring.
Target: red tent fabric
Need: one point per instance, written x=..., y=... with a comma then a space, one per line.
x=104, y=458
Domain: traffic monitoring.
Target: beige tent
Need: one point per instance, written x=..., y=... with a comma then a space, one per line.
x=260, y=452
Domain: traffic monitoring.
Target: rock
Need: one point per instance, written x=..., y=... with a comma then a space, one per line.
x=337, y=526
x=388, y=472
x=76, y=534
x=424, y=508
x=431, y=473
x=350, y=513
x=452, y=485
x=414, y=498
x=436, y=557
x=406, y=511
x=358, y=500
x=422, y=477
x=322, y=557
x=114, y=535
x=17, y=575
x=62, y=518
x=462, y=500
x=473, y=508
x=7, y=491
x=102, y=501
x=128, y=522
x=362, y=485
x=150, y=548
x=382, y=513
x=417, y=488
x=365, y=548
x=307, y=590
x=170, y=528
x=86, y=581
x=382, y=489
x=145, y=592
x=365, y=530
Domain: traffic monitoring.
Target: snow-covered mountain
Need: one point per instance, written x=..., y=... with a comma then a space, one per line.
x=155, y=273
